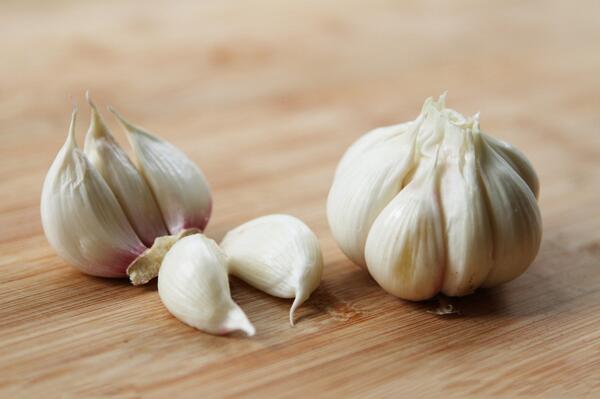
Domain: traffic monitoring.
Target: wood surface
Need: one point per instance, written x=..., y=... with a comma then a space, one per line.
x=265, y=96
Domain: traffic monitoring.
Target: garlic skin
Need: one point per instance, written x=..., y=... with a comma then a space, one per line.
x=277, y=254
x=178, y=185
x=123, y=178
x=194, y=287
x=82, y=218
x=436, y=206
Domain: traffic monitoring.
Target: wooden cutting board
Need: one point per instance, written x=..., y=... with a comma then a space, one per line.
x=265, y=96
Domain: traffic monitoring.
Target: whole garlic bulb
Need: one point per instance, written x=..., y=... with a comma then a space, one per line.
x=277, y=254
x=435, y=205
x=193, y=285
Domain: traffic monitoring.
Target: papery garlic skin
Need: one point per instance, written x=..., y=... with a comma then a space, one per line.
x=128, y=185
x=178, y=185
x=82, y=218
x=194, y=287
x=435, y=205
x=277, y=254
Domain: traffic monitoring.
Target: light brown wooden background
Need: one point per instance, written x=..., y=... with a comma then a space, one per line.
x=265, y=96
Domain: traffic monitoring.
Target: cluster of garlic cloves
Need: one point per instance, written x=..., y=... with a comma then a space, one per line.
x=110, y=219
x=435, y=205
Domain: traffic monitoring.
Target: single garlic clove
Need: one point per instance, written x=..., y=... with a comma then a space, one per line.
x=193, y=285
x=405, y=247
x=178, y=184
x=369, y=176
x=123, y=178
x=514, y=216
x=517, y=160
x=82, y=218
x=467, y=230
x=277, y=254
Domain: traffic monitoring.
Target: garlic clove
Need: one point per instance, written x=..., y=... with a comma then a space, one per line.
x=129, y=187
x=277, y=254
x=193, y=285
x=405, y=247
x=514, y=216
x=517, y=160
x=467, y=230
x=178, y=185
x=370, y=175
x=82, y=218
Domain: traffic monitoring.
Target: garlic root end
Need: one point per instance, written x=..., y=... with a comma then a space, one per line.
x=147, y=265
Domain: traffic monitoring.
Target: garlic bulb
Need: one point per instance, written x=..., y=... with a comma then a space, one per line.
x=100, y=214
x=435, y=205
x=193, y=285
x=277, y=254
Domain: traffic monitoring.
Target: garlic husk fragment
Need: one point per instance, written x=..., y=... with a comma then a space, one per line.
x=194, y=287
x=277, y=254
x=178, y=185
x=146, y=267
x=128, y=185
x=457, y=210
x=82, y=218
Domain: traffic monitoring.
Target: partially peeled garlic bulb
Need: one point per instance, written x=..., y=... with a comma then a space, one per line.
x=193, y=285
x=277, y=254
x=107, y=219
x=435, y=205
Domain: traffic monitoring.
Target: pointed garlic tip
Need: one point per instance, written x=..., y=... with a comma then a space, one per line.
x=178, y=185
x=193, y=285
x=236, y=320
x=473, y=222
x=128, y=185
x=301, y=297
x=277, y=254
x=81, y=217
x=97, y=127
x=71, y=141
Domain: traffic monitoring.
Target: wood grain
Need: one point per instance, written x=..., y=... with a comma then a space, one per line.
x=265, y=96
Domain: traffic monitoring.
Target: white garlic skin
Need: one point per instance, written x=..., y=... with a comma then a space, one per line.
x=179, y=186
x=277, y=254
x=194, y=287
x=128, y=185
x=435, y=205
x=81, y=217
